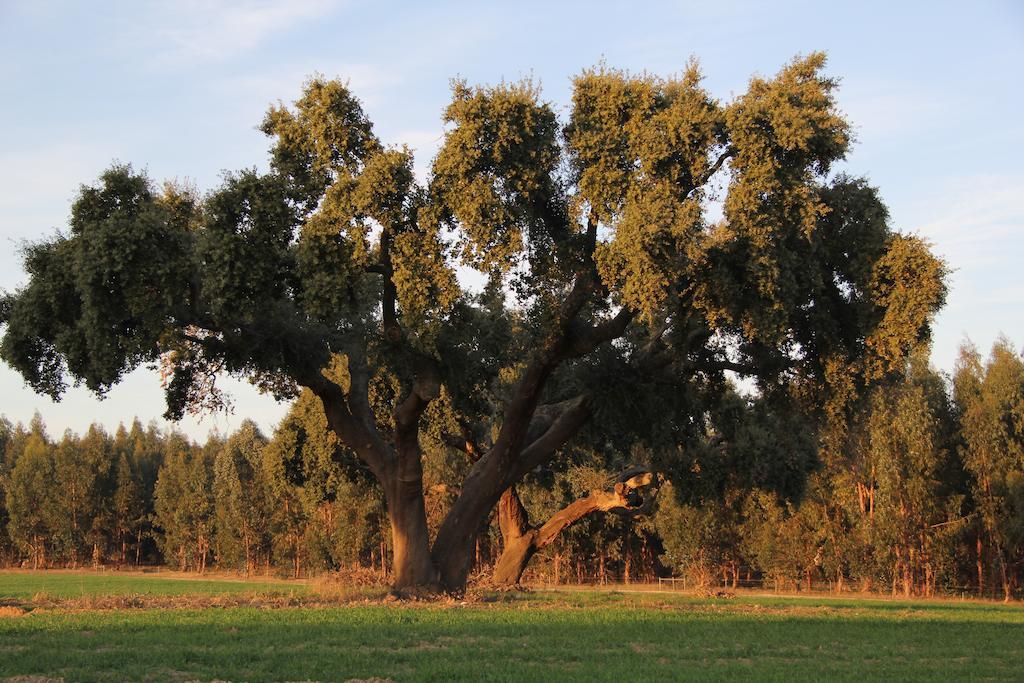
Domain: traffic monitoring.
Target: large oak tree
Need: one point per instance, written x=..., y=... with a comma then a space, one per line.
x=635, y=253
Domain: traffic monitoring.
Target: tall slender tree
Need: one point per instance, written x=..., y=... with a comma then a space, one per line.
x=29, y=486
x=184, y=503
x=127, y=507
x=242, y=500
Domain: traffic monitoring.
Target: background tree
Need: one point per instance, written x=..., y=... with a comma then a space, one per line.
x=911, y=441
x=242, y=502
x=990, y=399
x=701, y=541
x=31, y=484
x=892, y=505
x=146, y=447
x=620, y=283
x=127, y=507
x=78, y=505
x=184, y=503
x=8, y=438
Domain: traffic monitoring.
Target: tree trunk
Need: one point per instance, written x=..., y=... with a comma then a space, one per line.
x=452, y=553
x=626, y=559
x=981, y=569
x=248, y=555
x=529, y=435
x=412, y=564
x=522, y=542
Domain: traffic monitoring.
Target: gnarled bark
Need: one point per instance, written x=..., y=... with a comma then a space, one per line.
x=633, y=494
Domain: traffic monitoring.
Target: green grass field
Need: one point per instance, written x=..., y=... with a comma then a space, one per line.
x=27, y=585
x=531, y=636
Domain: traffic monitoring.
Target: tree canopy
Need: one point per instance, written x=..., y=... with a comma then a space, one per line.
x=614, y=289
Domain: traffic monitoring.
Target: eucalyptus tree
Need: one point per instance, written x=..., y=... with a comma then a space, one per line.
x=8, y=438
x=128, y=514
x=80, y=494
x=28, y=488
x=184, y=502
x=242, y=501
x=990, y=401
x=338, y=272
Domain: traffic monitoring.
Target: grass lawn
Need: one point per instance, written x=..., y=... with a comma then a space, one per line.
x=533, y=636
x=74, y=584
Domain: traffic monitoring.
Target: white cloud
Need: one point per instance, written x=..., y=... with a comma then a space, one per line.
x=205, y=30
x=977, y=221
x=285, y=82
x=883, y=111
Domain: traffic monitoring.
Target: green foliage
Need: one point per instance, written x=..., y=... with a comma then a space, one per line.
x=698, y=540
x=243, y=247
x=8, y=439
x=98, y=300
x=271, y=274
x=77, y=503
x=640, y=149
x=494, y=175
x=326, y=136
x=779, y=540
x=326, y=512
x=128, y=508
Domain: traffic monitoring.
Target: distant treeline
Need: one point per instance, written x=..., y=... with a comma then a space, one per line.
x=921, y=491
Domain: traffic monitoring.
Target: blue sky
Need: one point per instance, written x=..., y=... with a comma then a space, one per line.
x=933, y=90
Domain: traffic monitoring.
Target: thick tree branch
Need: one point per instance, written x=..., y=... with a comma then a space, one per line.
x=359, y=383
x=625, y=496
x=564, y=427
x=749, y=369
x=366, y=443
x=465, y=441
x=426, y=386
x=513, y=520
x=634, y=493
x=606, y=330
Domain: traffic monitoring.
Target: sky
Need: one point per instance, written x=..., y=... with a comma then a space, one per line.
x=933, y=90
